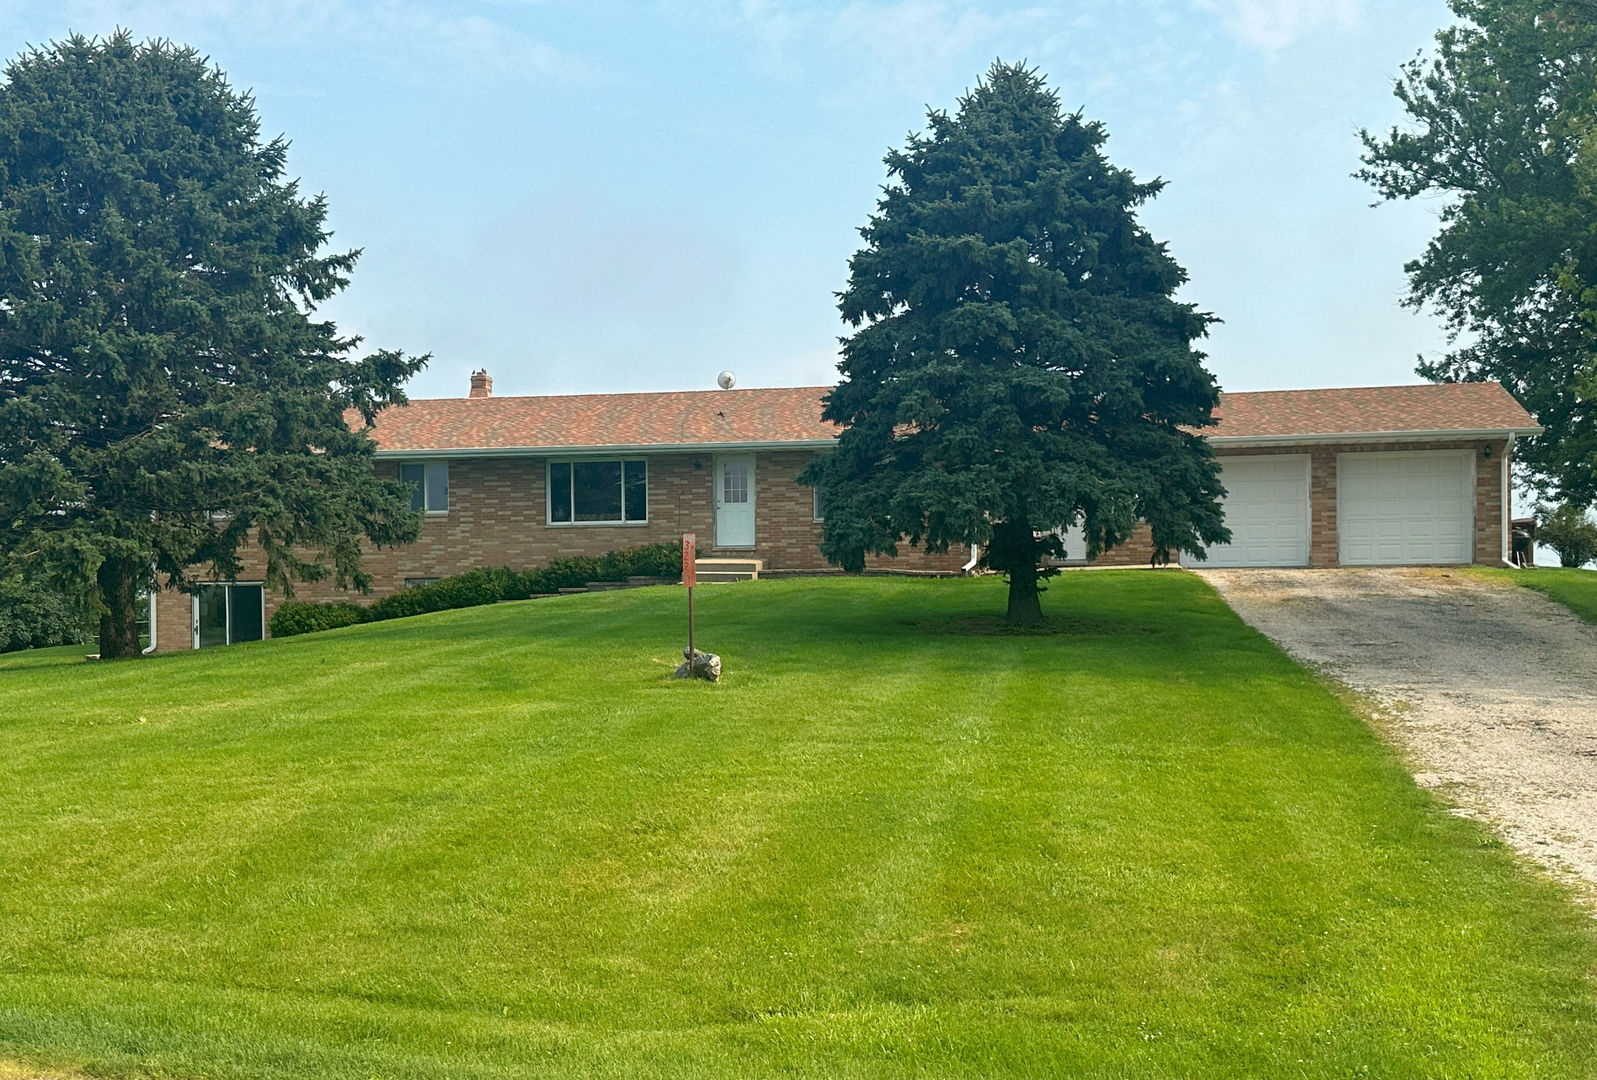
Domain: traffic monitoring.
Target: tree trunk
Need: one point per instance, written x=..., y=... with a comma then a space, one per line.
x=1025, y=597
x=1014, y=551
x=119, y=626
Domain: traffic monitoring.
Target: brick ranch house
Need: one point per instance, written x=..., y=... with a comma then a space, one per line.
x=1399, y=475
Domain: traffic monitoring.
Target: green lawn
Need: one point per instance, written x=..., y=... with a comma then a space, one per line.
x=497, y=843
x=1575, y=589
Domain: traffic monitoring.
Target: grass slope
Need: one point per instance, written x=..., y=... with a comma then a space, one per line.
x=1575, y=589
x=496, y=843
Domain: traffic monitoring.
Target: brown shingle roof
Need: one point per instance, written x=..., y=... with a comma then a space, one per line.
x=1371, y=410
x=682, y=418
x=792, y=415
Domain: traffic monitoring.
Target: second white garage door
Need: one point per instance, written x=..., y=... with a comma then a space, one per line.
x=1267, y=511
x=1406, y=507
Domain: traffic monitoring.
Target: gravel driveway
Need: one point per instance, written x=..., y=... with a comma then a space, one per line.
x=1489, y=689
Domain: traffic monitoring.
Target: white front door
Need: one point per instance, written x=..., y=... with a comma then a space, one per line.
x=1267, y=510
x=734, y=501
x=1406, y=507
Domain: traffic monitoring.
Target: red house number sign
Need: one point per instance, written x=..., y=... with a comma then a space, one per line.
x=688, y=544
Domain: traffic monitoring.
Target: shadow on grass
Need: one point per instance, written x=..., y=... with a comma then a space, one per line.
x=20, y=661
x=1051, y=626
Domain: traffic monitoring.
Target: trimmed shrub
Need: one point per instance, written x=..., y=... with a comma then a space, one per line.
x=471, y=589
x=302, y=617
x=34, y=616
x=475, y=588
x=649, y=560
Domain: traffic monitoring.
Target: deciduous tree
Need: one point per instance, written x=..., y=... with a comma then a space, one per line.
x=1502, y=126
x=1568, y=530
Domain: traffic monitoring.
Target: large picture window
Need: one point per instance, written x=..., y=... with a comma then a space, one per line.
x=598, y=492
x=429, y=485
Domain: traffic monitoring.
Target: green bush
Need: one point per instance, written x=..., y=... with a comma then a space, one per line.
x=303, y=617
x=471, y=589
x=475, y=588
x=1569, y=531
x=34, y=616
x=649, y=560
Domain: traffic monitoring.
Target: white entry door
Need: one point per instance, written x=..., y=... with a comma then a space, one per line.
x=1267, y=510
x=1406, y=507
x=734, y=501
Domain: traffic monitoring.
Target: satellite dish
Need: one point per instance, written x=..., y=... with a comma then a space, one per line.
x=726, y=380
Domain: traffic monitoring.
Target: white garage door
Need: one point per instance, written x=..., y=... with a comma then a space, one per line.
x=1267, y=510
x=1406, y=507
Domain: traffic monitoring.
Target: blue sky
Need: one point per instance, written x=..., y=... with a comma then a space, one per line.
x=586, y=195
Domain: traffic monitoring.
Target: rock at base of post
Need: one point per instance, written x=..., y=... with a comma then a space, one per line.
x=699, y=665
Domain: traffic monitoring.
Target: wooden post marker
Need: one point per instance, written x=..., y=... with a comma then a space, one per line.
x=695, y=665
x=689, y=577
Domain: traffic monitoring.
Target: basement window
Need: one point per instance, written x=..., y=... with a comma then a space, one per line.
x=594, y=492
x=228, y=614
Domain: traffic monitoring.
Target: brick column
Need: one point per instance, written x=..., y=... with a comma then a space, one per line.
x=1323, y=541
x=1490, y=513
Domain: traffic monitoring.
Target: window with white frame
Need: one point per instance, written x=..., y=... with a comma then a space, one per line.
x=819, y=496
x=429, y=485
x=599, y=492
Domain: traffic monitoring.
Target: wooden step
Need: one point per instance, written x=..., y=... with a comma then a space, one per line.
x=721, y=571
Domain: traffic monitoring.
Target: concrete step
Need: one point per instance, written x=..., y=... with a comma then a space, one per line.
x=719, y=577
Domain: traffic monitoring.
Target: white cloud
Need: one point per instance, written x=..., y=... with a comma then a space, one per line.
x=419, y=41
x=900, y=45
x=916, y=42
x=1270, y=25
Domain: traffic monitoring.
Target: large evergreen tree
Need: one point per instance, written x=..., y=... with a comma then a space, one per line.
x=1503, y=127
x=166, y=393
x=1020, y=363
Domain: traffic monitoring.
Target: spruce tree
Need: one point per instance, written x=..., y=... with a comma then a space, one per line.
x=1020, y=363
x=167, y=394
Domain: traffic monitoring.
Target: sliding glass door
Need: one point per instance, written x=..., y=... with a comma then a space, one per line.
x=228, y=614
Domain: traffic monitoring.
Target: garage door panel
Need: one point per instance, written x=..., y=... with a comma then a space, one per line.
x=1267, y=510
x=1406, y=507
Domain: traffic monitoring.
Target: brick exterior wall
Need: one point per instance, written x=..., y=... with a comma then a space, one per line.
x=1137, y=551
x=1324, y=551
x=498, y=517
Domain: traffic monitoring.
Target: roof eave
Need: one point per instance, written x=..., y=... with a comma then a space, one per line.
x=1218, y=441
x=1320, y=439
x=610, y=448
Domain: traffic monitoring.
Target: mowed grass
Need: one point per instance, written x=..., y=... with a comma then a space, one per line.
x=893, y=843
x=1574, y=588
